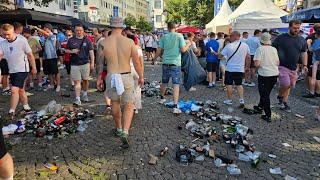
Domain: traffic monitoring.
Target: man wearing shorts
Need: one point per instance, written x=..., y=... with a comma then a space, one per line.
x=4, y=73
x=212, y=59
x=36, y=48
x=313, y=42
x=291, y=46
x=82, y=62
x=17, y=52
x=118, y=50
x=148, y=41
x=237, y=54
x=171, y=47
x=50, y=61
x=253, y=43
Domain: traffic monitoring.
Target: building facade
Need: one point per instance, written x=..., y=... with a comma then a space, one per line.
x=94, y=11
x=100, y=11
x=142, y=9
x=61, y=7
x=312, y=3
x=291, y=5
x=158, y=15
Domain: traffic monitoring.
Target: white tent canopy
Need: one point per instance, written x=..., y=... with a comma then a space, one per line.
x=256, y=14
x=221, y=19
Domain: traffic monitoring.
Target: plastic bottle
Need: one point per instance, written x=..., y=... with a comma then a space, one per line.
x=60, y=120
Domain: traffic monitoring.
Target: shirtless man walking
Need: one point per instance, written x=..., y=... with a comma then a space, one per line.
x=119, y=82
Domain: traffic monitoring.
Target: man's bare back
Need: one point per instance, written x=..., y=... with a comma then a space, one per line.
x=118, y=52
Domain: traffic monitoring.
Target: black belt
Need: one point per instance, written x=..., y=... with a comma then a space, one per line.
x=170, y=65
x=125, y=73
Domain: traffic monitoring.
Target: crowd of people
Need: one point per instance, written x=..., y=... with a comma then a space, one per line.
x=116, y=57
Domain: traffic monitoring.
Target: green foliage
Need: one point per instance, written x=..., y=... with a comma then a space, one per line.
x=235, y=3
x=193, y=12
x=130, y=21
x=175, y=10
x=144, y=25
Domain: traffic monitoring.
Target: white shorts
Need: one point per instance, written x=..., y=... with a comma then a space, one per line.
x=81, y=72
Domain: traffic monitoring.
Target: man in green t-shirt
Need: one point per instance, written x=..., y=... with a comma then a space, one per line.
x=171, y=47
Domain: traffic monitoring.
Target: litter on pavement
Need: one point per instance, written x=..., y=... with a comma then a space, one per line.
x=52, y=121
x=233, y=132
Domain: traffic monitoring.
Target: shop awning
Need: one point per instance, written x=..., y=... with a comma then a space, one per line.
x=87, y=25
x=186, y=29
x=310, y=15
x=29, y=16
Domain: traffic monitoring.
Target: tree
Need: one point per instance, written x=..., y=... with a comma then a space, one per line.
x=130, y=21
x=198, y=12
x=235, y=3
x=144, y=25
x=175, y=10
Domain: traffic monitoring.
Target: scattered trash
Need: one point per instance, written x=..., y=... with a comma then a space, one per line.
x=53, y=121
x=218, y=162
x=317, y=139
x=233, y=169
x=211, y=153
x=299, y=116
x=272, y=156
x=286, y=145
x=184, y=155
x=153, y=159
x=287, y=177
x=164, y=151
x=10, y=129
x=51, y=167
x=200, y=158
x=275, y=171
x=153, y=89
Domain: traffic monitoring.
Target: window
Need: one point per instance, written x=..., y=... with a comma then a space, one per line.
x=69, y=3
x=157, y=4
x=158, y=18
x=85, y=2
x=62, y=4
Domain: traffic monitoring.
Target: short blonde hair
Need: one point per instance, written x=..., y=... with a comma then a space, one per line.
x=7, y=27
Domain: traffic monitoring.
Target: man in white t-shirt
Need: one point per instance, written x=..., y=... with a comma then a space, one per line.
x=148, y=41
x=17, y=52
x=237, y=54
x=253, y=43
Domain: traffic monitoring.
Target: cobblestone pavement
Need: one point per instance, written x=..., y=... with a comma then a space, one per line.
x=95, y=154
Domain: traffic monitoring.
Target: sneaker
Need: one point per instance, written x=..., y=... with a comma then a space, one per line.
x=258, y=109
x=116, y=133
x=241, y=106
x=192, y=89
x=211, y=86
x=280, y=103
x=162, y=101
x=85, y=98
x=227, y=102
x=58, y=89
x=6, y=92
x=245, y=83
x=286, y=108
x=124, y=140
x=266, y=118
x=49, y=88
x=136, y=111
x=309, y=95
x=77, y=103
x=251, y=84
x=176, y=111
